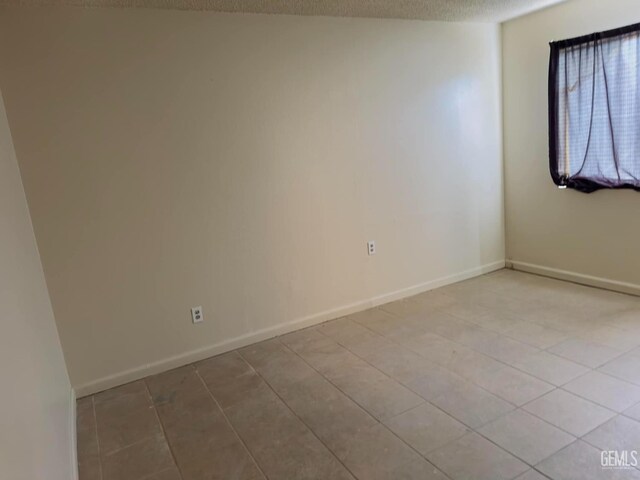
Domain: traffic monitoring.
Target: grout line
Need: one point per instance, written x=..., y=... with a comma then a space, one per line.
x=544, y=475
x=582, y=437
x=588, y=366
x=379, y=422
x=137, y=442
x=224, y=414
x=147, y=477
x=164, y=432
x=295, y=414
x=468, y=427
x=572, y=336
x=532, y=465
x=489, y=288
x=594, y=402
x=472, y=429
x=521, y=407
x=429, y=360
x=95, y=421
x=564, y=280
x=141, y=440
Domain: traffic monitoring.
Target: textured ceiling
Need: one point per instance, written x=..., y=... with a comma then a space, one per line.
x=448, y=10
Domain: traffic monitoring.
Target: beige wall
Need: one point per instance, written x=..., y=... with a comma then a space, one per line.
x=590, y=235
x=35, y=406
x=241, y=163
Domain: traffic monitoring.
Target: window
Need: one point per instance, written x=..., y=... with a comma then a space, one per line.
x=594, y=110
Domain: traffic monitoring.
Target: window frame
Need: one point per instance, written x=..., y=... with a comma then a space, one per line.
x=582, y=184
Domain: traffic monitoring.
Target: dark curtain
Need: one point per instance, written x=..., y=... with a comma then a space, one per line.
x=594, y=110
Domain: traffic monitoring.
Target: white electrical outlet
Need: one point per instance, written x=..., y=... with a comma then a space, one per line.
x=196, y=314
x=371, y=247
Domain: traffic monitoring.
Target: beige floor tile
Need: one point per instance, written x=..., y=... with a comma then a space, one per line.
x=433, y=299
x=222, y=463
x=536, y=335
x=546, y=315
x=475, y=458
x=377, y=454
x=129, y=395
x=191, y=409
x=318, y=350
x=612, y=337
x=506, y=349
x=330, y=414
x=282, y=445
x=185, y=414
x=466, y=311
x=276, y=363
x=116, y=431
x=262, y=352
x=403, y=308
x=426, y=428
x=305, y=340
x=399, y=329
x=223, y=368
x=342, y=328
x=573, y=323
x=619, y=433
x=354, y=337
x=587, y=353
x=89, y=469
x=525, y=436
x=633, y=412
x=403, y=330
x=299, y=405
x=399, y=362
x=469, y=364
x=430, y=318
x=370, y=317
x=86, y=431
x=496, y=322
x=457, y=330
x=580, y=461
x=171, y=385
x=202, y=441
x=569, y=412
x=377, y=321
x=170, y=474
x=499, y=303
x=464, y=401
x=138, y=461
x=550, y=368
x=301, y=458
x=532, y=475
x=513, y=385
x=605, y=390
x=472, y=335
x=125, y=416
x=627, y=320
x=435, y=381
x=374, y=391
x=264, y=418
x=231, y=380
x=282, y=367
x=431, y=346
x=626, y=367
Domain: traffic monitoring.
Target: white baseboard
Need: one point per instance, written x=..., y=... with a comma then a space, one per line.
x=274, y=331
x=575, y=277
x=74, y=435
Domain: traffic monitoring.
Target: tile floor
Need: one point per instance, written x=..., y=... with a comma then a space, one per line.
x=504, y=376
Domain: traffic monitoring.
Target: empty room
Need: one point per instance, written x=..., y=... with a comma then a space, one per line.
x=319, y=239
